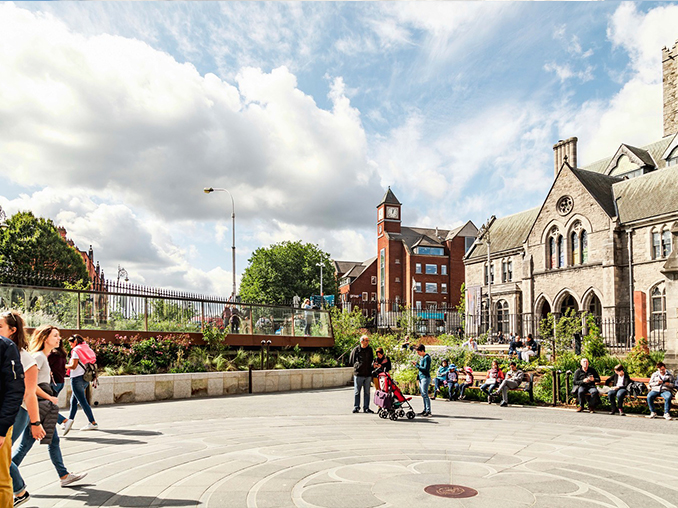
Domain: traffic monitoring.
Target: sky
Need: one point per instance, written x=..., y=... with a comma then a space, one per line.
x=115, y=115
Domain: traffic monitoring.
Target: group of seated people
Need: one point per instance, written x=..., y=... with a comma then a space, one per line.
x=586, y=379
x=523, y=350
x=495, y=381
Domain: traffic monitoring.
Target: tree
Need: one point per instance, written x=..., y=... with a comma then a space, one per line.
x=277, y=273
x=32, y=246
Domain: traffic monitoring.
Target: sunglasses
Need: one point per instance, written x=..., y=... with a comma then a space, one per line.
x=7, y=316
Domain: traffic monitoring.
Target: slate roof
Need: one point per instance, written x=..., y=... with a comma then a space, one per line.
x=600, y=187
x=413, y=237
x=507, y=233
x=654, y=151
x=389, y=198
x=647, y=196
x=342, y=267
x=357, y=267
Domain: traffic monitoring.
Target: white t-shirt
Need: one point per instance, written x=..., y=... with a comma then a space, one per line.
x=27, y=361
x=620, y=380
x=79, y=370
x=44, y=371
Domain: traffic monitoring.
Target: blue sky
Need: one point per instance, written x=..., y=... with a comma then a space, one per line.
x=117, y=114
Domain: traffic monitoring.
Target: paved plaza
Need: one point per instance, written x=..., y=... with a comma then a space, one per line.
x=307, y=450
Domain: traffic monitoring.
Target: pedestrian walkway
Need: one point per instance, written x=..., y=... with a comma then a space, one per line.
x=308, y=450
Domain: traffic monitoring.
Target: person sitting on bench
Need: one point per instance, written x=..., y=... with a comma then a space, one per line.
x=619, y=382
x=514, y=377
x=585, y=379
x=515, y=345
x=661, y=383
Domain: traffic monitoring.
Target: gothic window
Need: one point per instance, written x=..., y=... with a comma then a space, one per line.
x=552, y=252
x=666, y=243
x=504, y=271
x=656, y=245
x=509, y=268
x=561, y=252
x=584, y=247
x=564, y=205
x=502, y=316
x=658, y=306
x=492, y=273
x=574, y=247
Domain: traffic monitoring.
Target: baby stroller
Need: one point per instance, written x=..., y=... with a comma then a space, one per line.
x=391, y=401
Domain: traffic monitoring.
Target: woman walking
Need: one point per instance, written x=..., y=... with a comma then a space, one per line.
x=81, y=355
x=57, y=364
x=43, y=341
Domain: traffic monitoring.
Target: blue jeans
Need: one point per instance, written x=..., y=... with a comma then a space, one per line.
x=26, y=443
x=437, y=383
x=488, y=388
x=462, y=388
x=667, y=400
x=424, y=383
x=363, y=382
x=452, y=387
x=57, y=387
x=79, y=385
x=616, y=398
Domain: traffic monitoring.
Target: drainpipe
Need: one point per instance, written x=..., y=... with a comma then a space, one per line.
x=632, y=323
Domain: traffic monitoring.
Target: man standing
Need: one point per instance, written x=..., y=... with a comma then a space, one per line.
x=11, y=395
x=424, y=368
x=585, y=379
x=362, y=358
x=513, y=379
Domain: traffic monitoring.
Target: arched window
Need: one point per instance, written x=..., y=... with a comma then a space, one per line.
x=584, y=247
x=552, y=251
x=574, y=247
x=658, y=306
x=509, y=269
x=561, y=251
x=666, y=243
x=656, y=245
x=502, y=316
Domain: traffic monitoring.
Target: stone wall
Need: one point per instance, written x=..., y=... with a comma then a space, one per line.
x=145, y=388
x=670, y=77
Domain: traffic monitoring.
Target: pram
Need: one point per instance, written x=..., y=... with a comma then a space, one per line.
x=391, y=401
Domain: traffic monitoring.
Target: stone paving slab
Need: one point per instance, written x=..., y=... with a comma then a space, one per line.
x=307, y=450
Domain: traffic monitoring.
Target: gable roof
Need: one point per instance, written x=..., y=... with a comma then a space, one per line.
x=654, y=150
x=343, y=267
x=600, y=187
x=507, y=233
x=389, y=198
x=647, y=196
x=413, y=237
x=468, y=229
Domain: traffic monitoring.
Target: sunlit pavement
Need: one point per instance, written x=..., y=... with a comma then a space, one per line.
x=307, y=449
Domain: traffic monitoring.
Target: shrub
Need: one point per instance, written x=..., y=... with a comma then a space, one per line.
x=593, y=344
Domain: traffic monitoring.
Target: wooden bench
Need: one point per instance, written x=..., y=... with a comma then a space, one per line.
x=644, y=380
x=526, y=386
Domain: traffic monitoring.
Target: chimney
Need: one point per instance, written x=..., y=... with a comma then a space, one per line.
x=670, y=79
x=563, y=149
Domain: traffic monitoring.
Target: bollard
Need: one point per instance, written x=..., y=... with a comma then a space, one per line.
x=268, y=353
x=567, y=385
x=263, y=345
x=558, y=373
x=553, y=385
x=249, y=384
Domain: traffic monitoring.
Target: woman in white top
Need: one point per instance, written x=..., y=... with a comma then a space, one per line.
x=12, y=327
x=43, y=341
x=78, y=384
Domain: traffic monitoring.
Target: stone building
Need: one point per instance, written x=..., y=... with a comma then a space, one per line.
x=597, y=244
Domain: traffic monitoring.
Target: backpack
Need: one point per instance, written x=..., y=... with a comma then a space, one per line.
x=90, y=374
x=637, y=388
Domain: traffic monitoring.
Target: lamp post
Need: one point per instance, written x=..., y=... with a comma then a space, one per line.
x=484, y=237
x=322, y=300
x=123, y=273
x=209, y=190
x=3, y=219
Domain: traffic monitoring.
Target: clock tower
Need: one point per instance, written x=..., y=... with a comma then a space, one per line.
x=388, y=214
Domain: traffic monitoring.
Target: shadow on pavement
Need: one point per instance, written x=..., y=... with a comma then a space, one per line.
x=106, y=441
x=123, y=432
x=96, y=497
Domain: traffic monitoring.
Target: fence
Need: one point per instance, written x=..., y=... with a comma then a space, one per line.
x=128, y=307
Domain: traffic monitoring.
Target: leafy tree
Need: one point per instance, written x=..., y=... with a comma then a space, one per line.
x=277, y=273
x=32, y=245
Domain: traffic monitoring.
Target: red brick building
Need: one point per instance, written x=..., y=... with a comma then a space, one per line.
x=96, y=274
x=419, y=267
x=357, y=281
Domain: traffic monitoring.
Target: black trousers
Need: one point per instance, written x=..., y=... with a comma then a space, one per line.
x=590, y=391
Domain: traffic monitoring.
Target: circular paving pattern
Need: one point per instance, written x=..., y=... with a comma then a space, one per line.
x=307, y=450
x=451, y=491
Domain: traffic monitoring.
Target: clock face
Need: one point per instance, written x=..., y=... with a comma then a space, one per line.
x=391, y=212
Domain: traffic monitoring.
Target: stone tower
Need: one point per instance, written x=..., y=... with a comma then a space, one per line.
x=670, y=79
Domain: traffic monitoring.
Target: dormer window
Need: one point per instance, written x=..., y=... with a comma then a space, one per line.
x=429, y=251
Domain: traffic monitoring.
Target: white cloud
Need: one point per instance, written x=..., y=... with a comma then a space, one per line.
x=114, y=113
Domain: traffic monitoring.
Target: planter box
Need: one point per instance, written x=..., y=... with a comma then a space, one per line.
x=144, y=388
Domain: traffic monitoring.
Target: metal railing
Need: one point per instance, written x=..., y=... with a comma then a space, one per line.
x=128, y=307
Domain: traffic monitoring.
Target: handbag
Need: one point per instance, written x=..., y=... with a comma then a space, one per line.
x=383, y=399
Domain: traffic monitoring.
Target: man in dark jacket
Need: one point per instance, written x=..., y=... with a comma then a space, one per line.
x=585, y=379
x=11, y=395
x=362, y=358
x=619, y=383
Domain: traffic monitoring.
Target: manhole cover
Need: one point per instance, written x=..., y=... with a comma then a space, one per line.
x=453, y=491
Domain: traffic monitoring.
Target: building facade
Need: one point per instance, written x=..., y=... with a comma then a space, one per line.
x=357, y=282
x=420, y=268
x=597, y=244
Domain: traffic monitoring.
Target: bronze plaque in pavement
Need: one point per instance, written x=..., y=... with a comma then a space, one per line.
x=451, y=491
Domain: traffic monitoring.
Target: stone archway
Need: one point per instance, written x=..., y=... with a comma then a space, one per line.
x=568, y=302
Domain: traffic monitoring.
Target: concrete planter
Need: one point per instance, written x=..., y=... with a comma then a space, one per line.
x=144, y=388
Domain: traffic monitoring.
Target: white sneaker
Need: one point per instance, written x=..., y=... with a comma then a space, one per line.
x=66, y=426
x=667, y=416
x=72, y=478
x=91, y=426
x=651, y=415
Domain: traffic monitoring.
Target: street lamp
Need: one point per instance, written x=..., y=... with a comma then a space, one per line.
x=484, y=237
x=3, y=219
x=209, y=190
x=123, y=273
x=322, y=300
